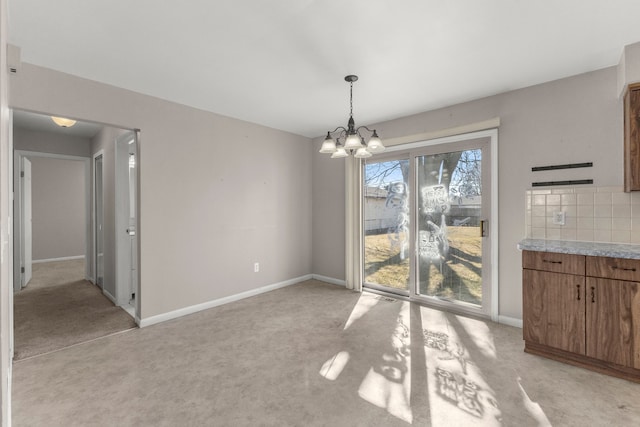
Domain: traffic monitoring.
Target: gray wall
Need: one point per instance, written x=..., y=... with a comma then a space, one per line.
x=59, y=207
x=328, y=214
x=53, y=143
x=58, y=192
x=217, y=194
x=577, y=119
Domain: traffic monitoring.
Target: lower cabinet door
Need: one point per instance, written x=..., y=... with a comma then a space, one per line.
x=613, y=327
x=554, y=310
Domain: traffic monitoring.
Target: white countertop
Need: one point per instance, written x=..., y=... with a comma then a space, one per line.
x=613, y=250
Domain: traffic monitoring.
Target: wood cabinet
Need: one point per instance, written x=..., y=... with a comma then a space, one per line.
x=612, y=337
x=583, y=310
x=632, y=138
x=554, y=310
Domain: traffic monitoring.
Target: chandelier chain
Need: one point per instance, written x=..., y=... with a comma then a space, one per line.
x=351, y=99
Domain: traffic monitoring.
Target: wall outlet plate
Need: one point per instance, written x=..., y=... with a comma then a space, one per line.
x=559, y=218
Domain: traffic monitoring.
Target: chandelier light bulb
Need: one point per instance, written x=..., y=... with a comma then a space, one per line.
x=340, y=153
x=362, y=153
x=352, y=142
x=375, y=144
x=328, y=145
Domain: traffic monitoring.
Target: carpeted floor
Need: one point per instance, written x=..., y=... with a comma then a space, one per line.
x=315, y=354
x=59, y=308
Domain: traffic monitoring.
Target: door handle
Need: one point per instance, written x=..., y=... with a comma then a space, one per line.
x=131, y=232
x=483, y=227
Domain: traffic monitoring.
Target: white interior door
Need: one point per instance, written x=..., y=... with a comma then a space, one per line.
x=132, y=223
x=98, y=220
x=126, y=221
x=27, y=235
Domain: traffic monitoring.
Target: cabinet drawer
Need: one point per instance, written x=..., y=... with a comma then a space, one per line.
x=554, y=262
x=614, y=268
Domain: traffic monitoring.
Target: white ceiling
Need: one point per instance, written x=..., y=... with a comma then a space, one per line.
x=281, y=63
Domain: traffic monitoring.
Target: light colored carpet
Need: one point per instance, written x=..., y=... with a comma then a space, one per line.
x=315, y=354
x=59, y=308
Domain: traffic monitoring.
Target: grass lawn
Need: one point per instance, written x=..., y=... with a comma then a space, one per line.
x=459, y=277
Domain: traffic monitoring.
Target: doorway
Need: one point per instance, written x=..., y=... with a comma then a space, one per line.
x=426, y=211
x=74, y=227
x=62, y=304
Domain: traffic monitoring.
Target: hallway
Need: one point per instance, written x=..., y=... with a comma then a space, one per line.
x=59, y=308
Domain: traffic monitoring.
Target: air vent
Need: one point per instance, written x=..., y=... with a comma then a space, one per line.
x=13, y=59
x=387, y=299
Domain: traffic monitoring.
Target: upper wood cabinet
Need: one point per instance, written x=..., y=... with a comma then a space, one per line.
x=632, y=138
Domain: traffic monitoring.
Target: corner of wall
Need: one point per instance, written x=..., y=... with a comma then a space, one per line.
x=628, y=69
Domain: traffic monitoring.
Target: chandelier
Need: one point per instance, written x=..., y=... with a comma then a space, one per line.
x=354, y=142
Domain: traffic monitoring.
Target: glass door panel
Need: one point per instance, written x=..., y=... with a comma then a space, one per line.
x=449, y=224
x=386, y=225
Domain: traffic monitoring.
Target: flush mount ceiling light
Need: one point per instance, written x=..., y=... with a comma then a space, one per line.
x=354, y=142
x=62, y=122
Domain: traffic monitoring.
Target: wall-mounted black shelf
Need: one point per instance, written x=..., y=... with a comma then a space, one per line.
x=567, y=166
x=552, y=183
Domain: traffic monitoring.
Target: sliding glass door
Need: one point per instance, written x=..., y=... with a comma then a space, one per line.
x=386, y=225
x=451, y=226
x=425, y=224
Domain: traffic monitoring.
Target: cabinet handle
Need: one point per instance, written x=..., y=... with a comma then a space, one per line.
x=552, y=262
x=578, y=286
x=593, y=294
x=615, y=267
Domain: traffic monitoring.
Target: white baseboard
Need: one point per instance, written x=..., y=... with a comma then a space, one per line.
x=329, y=280
x=66, y=258
x=148, y=321
x=107, y=294
x=510, y=321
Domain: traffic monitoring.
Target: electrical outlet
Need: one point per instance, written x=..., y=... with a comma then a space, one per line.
x=559, y=218
x=256, y=267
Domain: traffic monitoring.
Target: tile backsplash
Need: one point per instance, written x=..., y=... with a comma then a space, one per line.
x=594, y=214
